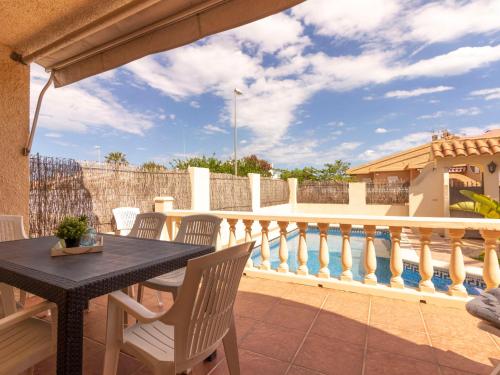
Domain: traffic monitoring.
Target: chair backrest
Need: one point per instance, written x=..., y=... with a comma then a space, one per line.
x=199, y=230
x=125, y=217
x=11, y=228
x=204, y=307
x=148, y=225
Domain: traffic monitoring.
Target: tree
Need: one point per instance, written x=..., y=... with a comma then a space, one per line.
x=331, y=172
x=116, y=158
x=248, y=164
x=480, y=204
x=151, y=166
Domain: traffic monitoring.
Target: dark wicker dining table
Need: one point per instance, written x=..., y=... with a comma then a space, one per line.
x=71, y=281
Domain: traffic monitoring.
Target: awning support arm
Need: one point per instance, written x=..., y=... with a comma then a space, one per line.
x=29, y=143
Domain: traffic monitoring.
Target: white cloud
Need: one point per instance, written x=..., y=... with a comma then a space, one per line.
x=194, y=104
x=395, y=145
x=477, y=130
x=403, y=94
x=53, y=135
x=83, y=106
x=488, y=94
x=471, y=111
x=211, y=129
x=381, y=130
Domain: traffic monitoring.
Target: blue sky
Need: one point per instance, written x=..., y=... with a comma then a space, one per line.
x=350, y=79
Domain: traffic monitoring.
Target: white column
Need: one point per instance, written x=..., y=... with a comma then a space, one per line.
x=491, y=272
x=370, y=256
x=200, y=188
x=324, y=254
x=255, y=190
x=302, y=251
x=425, y=267
x=346, y=254
x=283, y=250
x=457, y=269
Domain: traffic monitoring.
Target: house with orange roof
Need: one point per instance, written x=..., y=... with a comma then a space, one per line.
x=447, y=161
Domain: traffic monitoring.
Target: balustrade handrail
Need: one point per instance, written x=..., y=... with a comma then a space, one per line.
x=400, y=221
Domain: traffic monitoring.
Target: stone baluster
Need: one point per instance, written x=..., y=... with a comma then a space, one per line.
x=457, y=269
x=283, y=250
x=248, y=238
x=491, y=272
x=370, y=260
x=346, y=254
x=302, y=250
x=265, y=252
x=396, y=259
x=232, y=231
x=324, y=254
x=425, y=267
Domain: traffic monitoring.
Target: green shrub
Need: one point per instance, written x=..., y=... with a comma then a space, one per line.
x=72, y=228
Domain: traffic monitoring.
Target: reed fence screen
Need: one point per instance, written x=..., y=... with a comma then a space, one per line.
x=393, y=193
x=61, y=187
x=230, y=193
x=336, y=192
x=273, y=192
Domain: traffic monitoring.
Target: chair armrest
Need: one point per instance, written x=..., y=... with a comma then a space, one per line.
x=26, y=313
x=134, y=308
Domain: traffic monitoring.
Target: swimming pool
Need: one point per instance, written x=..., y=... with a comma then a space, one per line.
x=410, y=274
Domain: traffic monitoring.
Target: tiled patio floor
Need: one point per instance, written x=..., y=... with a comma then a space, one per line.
x=299, y=330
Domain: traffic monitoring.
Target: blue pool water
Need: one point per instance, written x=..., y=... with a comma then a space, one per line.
x=410, y=275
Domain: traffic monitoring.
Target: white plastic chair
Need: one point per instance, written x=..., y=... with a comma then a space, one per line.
x=12, y=229
x=195, y=230
x=124, y=219
x=148, y=225
x=174, y=341
x=25, y=340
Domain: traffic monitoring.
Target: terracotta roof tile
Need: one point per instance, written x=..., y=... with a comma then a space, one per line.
x=487, y=145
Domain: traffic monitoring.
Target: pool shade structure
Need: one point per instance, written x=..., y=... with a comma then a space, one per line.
x=141, y=28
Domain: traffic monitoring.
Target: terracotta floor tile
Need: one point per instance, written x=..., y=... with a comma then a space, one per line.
x=453, y=371
x=400, y=314
x=243, y=326
x=273, y=341
x=307, y=296
x=330, y=357
x=293, y=316
x=350, y=305
x=296, y=370
x=252, y=305
x=336, y=326
x=406, y=343
x=384, y=363
x=465, y=354
x=254, y=364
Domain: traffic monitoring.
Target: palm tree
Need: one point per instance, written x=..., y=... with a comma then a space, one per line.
x=151, y=166
x=481, y=204
x=117, y=158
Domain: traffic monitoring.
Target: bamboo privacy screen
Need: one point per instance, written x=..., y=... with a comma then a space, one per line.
x=230, y=193
x=62, y=187
x=323, y=192
x=273, y=192
x=387, y=193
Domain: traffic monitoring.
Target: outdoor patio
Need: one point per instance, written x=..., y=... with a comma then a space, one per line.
x=292, y=329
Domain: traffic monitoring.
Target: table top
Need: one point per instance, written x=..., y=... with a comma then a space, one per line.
x=30, y=259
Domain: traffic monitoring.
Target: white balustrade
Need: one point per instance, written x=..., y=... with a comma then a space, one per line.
x=346, y=254
x=248, y=238
x=457, y=269
x=370, y=256
x=283, y=249
x=491, y=272
x=490, y=230
x=397, y=266
x=265, y=252
x=302, y=255
x=426, y=269
x=324, y=254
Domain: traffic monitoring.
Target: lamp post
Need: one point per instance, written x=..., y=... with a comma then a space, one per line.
x=235, y=92
x=98, y=148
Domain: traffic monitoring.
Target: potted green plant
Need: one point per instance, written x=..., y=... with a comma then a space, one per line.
x=71, y=230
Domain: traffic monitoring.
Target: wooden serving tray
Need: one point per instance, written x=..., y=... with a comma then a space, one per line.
x=60, y=248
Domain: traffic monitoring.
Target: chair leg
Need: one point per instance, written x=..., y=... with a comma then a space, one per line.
x=231, y=349
x=114, y=332
x=22, y=297
x=158, y=297
x=140, y=292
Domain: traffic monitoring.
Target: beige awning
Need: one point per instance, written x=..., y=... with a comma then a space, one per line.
x=144, y=27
